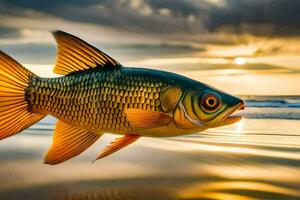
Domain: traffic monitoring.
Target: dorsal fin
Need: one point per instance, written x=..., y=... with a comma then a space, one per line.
x=75, y=54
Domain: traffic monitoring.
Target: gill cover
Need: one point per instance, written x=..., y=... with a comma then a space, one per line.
x=203, y=108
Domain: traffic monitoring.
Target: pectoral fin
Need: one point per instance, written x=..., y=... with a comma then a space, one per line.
x=118, y=144
x=139, y=118
x=68, y=142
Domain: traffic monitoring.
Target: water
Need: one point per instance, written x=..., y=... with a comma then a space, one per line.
x=273, y=101
x=273, y=107
x=257, y=158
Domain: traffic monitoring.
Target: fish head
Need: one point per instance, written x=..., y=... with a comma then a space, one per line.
x=205, y=107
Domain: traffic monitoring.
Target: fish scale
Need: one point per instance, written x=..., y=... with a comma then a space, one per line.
x=96, y=99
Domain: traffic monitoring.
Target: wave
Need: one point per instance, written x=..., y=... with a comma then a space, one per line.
x=273, y=101
x=272, y=115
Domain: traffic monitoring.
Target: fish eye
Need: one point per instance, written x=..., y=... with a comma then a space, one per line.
x=210, y=102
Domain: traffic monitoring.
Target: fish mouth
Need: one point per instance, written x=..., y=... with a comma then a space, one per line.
x=229, y=118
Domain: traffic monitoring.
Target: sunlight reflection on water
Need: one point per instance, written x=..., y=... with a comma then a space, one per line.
x=253, y=159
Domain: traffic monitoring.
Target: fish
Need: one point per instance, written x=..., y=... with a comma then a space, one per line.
x=95, y=94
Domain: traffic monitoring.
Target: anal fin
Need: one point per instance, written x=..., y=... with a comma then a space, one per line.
x=68, y=142
x=118, y=144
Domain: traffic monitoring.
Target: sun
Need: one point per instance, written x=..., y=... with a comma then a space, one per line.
x=240, y=61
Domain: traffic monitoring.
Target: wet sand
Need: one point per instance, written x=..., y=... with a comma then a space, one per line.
x=254, y=159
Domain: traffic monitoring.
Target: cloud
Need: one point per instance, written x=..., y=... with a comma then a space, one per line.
x=9, y=33
x=257, y=17
x=134, y=15
x=31, y=53
x=130, y=30
x=189, y=22
x=199, y=64
x=160, y=50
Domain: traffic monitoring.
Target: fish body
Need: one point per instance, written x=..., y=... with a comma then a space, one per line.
x=97, y=95
x=96, y=100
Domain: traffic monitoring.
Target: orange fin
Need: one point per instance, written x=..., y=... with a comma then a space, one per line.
x=75, y=54
x=139, y=118
x=68, y=142
x=117, y=144
x=14, y=113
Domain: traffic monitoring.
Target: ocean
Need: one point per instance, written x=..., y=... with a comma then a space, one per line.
x=257, y=158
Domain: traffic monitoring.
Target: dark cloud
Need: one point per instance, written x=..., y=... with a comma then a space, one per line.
x=9, y=32
x=168, y=28
x=183, y=7
x=258, y=17
x=161, y=49
x=134, y=15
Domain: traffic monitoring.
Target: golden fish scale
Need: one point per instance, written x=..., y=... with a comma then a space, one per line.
x=95, y=100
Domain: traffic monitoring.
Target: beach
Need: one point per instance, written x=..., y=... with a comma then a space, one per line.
x=257, y=158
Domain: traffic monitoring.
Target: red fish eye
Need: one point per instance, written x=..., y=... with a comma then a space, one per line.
x=210, y=102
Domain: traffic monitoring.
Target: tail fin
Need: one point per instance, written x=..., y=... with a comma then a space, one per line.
x=14, y=114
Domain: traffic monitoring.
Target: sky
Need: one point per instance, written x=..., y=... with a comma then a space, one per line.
x=245, y=47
